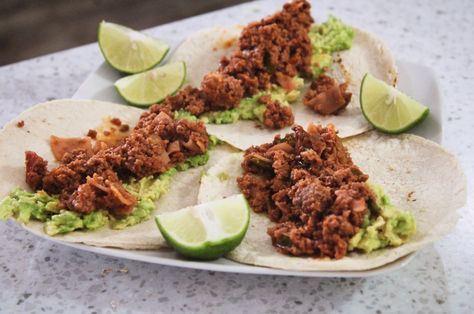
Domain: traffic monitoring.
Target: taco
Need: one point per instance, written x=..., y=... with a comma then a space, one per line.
x=320, y=203
x=98, y=221
x=338, y=52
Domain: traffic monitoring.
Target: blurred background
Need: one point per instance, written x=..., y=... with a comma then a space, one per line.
x=31, y=28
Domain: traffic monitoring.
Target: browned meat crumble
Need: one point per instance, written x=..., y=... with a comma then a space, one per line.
x=92, y=179
x=276, y=115
x=307, y=183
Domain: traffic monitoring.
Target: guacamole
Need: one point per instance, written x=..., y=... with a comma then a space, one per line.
x=384, y=225
x=331, y=36
x=183, y=114
x=25, y=206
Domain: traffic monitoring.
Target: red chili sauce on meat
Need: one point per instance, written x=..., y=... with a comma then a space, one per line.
x=307, y=183
x=270, y=51
x=91, y=179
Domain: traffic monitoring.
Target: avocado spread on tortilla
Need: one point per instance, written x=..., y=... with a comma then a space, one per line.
x=384, y=225
x=331, y=36
x=41, y=206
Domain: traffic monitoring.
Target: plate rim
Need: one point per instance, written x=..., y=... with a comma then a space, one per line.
x=228, y=266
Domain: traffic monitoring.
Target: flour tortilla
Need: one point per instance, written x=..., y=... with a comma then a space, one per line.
x=203, y=50
x=73, y=118
x=418, y=175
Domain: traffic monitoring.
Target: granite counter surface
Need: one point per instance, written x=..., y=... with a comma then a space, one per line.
x=37, y=275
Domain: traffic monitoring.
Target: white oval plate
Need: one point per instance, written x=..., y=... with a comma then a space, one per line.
x=416, y=80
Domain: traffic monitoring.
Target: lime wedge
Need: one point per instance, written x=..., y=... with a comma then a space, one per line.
x=128, y=50
x=388, y=109
x=208, y=230
x=151, y=87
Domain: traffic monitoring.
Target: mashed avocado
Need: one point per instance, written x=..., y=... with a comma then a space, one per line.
x=384, y=225
x=25, y=206
x=183, y=114
x=331, y=36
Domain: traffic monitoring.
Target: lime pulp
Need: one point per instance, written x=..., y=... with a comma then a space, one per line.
x=208, y=230
x=388, y=109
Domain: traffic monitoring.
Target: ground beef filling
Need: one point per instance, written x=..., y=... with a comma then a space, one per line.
x=87, y=181
x=326, y=97
x=270, y=51
x=307, y=183
x=276, y=115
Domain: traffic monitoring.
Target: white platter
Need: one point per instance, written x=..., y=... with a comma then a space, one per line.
x=416, y=80
x=168, y=257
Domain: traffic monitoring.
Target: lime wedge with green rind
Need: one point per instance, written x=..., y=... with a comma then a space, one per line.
x=128, y=50
x=388, y=109
x=206, y=231
x=151, y=87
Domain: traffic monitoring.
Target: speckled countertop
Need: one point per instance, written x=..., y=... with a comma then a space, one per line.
x=39, y=276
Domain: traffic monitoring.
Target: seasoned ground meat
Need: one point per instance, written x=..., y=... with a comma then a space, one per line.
x=310, y=196
x=256, y=190
x=87, y=182
x=62, y=179
x=142, y=154
x=101, y=192
x=326, y=97
x=307, y=183
x=272, y=50
x=191, y=99
x=116, y=121
x=36, y=168
x=276, y=115
x=222, y=91
x=92, y=134
x=124, y=128
x=157, y=108
x=281, y=41
x=249, y=69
